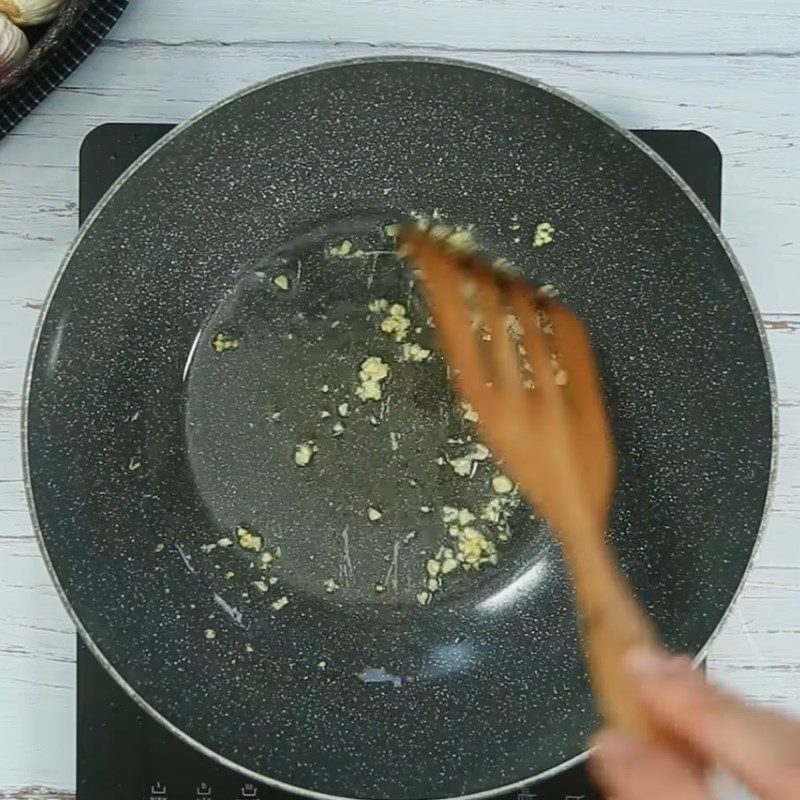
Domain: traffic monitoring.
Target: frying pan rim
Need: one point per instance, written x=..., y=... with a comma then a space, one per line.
x=324, y=66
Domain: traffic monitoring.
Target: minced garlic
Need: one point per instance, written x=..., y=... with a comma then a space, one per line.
x=448, y=565
x=248, y=540
x=474, y=549
x=480, y=452
x=502, y=484
x=221, y=342
x=397, y=323
x=411, y=351
x=423, y=597
x=303, y=453
x=373, y=371
x=466, y=464
x=543, y=234
x=492, y=511
x=461, y=466
x=281, y=282
x=341, y=250
x=376, y=306
x=469, y=413
x=464, y=517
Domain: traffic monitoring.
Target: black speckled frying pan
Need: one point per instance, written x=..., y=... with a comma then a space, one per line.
x=145, y=445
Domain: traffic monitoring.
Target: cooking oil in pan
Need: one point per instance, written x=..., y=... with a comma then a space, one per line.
x=318, y=414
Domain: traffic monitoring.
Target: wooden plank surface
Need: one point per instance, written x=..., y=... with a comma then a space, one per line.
x=715, y=26
x=167, y=60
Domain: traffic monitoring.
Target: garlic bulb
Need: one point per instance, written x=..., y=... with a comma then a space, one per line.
x=13, y=45
x=30, y=12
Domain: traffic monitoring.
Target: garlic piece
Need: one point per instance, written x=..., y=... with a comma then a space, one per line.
x=397, y=323
x=448, y=565
x=248, y=540
x=281, y=282
x=433, y=567
x=280, y=603
x=480, y=452
x=341, y=250
x=373, y=514
x=469, y=413
x=502, y=484
x=543, y=233
x=376, y=306
x=30, y=12
x=13, y=44
x=461, y=466
x=465, y=516
x=303, y=453
x=493, y=510
x=411, y=351
x=373, y=371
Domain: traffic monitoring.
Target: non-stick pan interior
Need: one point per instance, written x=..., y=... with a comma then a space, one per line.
x=146, y=445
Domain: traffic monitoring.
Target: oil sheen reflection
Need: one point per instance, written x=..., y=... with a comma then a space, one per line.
x=522, y=586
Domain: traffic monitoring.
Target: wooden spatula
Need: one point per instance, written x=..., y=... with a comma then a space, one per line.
x=525, y=364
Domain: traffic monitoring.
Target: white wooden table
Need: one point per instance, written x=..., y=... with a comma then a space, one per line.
x=727, y=67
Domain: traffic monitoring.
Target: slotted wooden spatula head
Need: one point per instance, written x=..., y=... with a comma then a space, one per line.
x=523, y=361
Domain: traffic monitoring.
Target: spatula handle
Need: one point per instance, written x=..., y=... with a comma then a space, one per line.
x=611, y=622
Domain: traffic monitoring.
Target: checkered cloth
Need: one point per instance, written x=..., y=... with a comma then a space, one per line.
x=90, y=28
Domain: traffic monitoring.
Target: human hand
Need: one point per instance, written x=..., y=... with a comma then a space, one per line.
x=759, y=747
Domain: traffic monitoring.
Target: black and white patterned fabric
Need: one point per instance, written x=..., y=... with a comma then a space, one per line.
x=91, y=27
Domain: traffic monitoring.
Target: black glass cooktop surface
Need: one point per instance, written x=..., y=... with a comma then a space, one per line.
x=122, y=752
